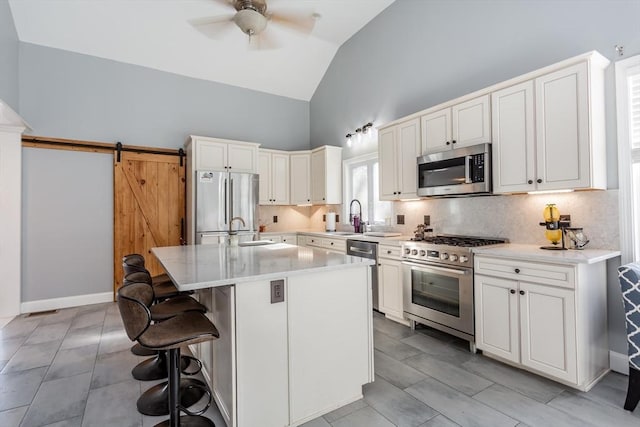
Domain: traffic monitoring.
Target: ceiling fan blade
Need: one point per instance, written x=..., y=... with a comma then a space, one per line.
x=266, y=40
x=302, y=22
x=214, y=27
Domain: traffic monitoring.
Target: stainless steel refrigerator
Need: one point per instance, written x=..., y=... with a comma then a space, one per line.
x=224, y=202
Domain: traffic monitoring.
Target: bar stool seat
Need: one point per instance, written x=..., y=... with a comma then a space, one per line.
x=184, y=329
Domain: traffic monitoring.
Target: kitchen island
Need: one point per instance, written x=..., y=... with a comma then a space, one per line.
x=296, y=335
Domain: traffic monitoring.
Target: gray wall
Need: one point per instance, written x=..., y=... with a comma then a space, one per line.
x=419, y=53
x=8, y=57
x=70, y=95
x=67, y=227
x=68, y=196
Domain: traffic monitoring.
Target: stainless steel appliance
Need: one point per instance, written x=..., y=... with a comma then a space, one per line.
x=368, y=250
x=225, y=203
x=438, y=283
x=461, y=171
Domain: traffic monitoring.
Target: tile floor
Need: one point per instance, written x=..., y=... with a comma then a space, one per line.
x=72, y=368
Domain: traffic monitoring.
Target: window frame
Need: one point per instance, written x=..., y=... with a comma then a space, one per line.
x=346, y=184
x=627, y=156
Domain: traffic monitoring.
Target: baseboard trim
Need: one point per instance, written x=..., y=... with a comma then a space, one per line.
x=65, y=302
x=619, y=362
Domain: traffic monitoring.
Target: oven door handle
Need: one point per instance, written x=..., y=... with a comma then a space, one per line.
x=467, y=169
x=433, y=267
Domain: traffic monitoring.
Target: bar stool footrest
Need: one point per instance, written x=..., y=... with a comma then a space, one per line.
x=190, y=421
x=155, y=401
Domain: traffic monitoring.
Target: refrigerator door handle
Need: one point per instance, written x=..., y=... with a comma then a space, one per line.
x=225, y=201
x=230, y=199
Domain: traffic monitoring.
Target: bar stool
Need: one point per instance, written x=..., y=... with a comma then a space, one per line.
x=183, y=329
x=629, y=278
x=154, y=401
x=164, y=288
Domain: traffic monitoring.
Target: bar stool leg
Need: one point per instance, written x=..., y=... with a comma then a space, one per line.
x=174, y=387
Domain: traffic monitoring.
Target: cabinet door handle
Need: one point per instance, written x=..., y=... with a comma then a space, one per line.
x=388, y=252
x=530, y=181
x=399, y=192
x=453, y=142
x=517, y=270
x=331, y=243
x=539, y=181
x=521, y=292
x=448, y=143
x=395, y=192
x=513, y=291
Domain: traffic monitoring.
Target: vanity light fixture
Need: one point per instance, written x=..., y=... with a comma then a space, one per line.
x=550, y=191
x=360, y=131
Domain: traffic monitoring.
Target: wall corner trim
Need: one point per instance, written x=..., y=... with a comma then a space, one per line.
x=65, y=302
x=619, y=362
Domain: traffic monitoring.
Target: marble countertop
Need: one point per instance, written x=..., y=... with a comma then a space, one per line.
x=204, y=266
x=534, y=253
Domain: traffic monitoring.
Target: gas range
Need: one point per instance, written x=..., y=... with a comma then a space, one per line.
x=446, y=249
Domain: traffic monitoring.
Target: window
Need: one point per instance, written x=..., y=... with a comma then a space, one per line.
x=628, y=111
x=361, y=183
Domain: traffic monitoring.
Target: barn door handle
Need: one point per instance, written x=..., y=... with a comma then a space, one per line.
x=118, y=151
x=182, y=155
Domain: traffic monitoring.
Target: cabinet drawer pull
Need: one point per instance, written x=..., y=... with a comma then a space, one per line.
x=388, y=252
x=331, y=243
x=517, y=270
x=521, y=292
x=530, y=181
x=513, y=291
x=539, y=181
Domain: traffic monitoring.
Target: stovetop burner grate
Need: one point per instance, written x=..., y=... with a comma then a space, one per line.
x=462, y=241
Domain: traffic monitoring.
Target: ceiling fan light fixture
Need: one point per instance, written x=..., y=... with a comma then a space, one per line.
x=250, y=21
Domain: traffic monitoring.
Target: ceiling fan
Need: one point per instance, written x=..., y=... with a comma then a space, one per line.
x=251, y=16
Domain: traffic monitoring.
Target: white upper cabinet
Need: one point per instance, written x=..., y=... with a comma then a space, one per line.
x=461, y=125
x=326, y=173
x=548, y=132
x=513, y=148
x=224, y=154
x=273, y=167
x=300, y=182
x=398, y=149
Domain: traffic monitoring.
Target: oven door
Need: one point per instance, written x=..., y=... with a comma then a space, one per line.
x=439, y=294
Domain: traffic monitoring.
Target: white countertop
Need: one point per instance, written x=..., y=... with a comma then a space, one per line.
x=204, y=266
x=534, y=253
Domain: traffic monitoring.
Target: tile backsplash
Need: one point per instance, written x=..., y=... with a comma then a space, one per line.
x=515, y=217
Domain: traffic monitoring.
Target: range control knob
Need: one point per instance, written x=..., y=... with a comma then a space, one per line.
x=453, y=257
x=423, y=252
x=414, y=252
x=464, y=258
x=407, y=251
x=444, y=256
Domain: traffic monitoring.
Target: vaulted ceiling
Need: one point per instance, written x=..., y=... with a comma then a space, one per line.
x=158, y=34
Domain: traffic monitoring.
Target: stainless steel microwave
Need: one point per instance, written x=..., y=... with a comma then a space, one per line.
x=460, y=171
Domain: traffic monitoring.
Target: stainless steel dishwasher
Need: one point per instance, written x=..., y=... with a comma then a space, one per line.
x=367, y=250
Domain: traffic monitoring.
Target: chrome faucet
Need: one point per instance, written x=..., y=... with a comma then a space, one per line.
x=231, y=231
x=352, y=216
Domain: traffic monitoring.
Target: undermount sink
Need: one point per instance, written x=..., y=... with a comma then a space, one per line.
x=256, y=243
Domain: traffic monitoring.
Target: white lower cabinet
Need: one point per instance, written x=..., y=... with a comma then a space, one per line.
x=390, y=282
x=547, y=318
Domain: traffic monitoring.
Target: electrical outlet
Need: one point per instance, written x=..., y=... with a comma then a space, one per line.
x=427, y=220
x=277, y=291
x=275, y=219
x=400, y=219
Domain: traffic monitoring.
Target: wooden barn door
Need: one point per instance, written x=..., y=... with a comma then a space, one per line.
x=149, y=207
